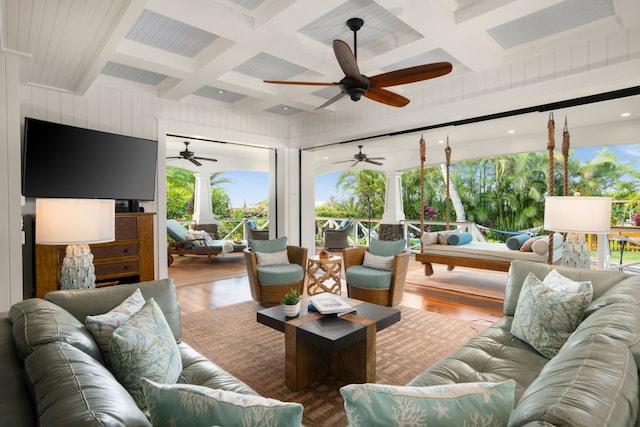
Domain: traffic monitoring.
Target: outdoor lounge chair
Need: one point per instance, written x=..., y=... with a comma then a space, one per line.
x=253, y=232
x=336, y=238
x=184, y=244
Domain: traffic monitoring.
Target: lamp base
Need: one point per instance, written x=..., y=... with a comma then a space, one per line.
x=575, y=251
x=78, y=271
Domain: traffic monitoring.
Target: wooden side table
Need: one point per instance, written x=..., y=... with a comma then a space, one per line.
x=324, y=274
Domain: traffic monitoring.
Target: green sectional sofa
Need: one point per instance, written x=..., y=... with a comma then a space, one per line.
x=51, y=370
x=591, y=381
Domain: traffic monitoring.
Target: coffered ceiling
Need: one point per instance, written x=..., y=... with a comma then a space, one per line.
x=218, y=52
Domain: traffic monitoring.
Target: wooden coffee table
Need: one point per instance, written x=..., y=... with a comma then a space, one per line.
x=317, y=345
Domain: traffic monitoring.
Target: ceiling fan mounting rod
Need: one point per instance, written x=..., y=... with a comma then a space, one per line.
x=355, y=24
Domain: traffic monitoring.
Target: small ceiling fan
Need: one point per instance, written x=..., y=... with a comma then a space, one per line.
x=357, y=85
x=362, y=157
x=190, y=155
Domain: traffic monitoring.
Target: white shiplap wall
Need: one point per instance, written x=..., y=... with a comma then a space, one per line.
x=10, y=206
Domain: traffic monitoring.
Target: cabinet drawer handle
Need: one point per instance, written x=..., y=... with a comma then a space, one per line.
x=126, y=267
x=126, y=250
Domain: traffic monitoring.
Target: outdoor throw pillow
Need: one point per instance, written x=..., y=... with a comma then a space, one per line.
x=199, y=234
x=198, y=406
x=458, y=239
x=272, y=258
x=430, y=238
x=480, y=403
x=144, y=347
x=102, y=326
x=273, y=245
x=528, y=245
x=386, y=247
x=515, y=242
x=378, y=262
x=541, y=246
x=545, y=317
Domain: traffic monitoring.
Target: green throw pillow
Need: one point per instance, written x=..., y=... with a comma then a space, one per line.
x=102, y=326
x=144, y=347
x=269, y=246
x=480, y=403
x=387, y=247
x=546, y=314
x=198, y=406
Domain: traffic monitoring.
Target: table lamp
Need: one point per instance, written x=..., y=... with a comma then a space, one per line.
x=577, y=216
x=76, y=223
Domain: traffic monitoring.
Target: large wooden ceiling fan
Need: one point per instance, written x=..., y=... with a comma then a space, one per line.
x=357, y=85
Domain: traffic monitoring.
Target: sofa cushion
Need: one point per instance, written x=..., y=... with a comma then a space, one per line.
x=269, y=246
x=88, y=302
x=144, y=347
x=365, y=277
x=102, y=326
x=492, y=356
x=198, y=370
x=37, y=322
x=73, y=389
x=378, y=262
x=593, y=381
x=616, y=314
x=16, y=405
x=282, y=274
x=387, y=247
x=195, y=406
x=547, y=314
x=272, y=258
x=441, y=405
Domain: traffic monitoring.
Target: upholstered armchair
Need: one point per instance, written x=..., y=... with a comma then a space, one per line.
x=377, y=274
x=336, y=238
x=274, y=268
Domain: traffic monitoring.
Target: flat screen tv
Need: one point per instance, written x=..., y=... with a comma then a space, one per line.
x=70, y=162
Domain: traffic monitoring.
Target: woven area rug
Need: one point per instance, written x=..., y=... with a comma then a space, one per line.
x=231, y=337
x=490, y=284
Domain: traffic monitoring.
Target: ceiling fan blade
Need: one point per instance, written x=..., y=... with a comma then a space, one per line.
x=331, y=101
x=205, y=158
x=174, y=157
x=355, y=163
x=376, y=158
x=283, y=82
x=342, y=161
x=194, y=161
x=346, y=60
x=368, y=160
x=411, y=74
x=387, y=97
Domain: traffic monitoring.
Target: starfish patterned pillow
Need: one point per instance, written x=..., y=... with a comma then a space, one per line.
x=479, y=403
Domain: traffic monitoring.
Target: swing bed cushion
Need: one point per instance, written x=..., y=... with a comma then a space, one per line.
x=483, y=255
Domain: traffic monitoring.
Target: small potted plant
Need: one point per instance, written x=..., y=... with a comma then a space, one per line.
x=291, y=303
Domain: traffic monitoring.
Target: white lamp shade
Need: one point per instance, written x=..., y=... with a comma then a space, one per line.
x=74, y=221
x=576, y=214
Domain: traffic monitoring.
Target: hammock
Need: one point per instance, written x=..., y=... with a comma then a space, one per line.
x=534, y=231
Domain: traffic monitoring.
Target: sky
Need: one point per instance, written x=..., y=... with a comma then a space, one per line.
x=251, y=188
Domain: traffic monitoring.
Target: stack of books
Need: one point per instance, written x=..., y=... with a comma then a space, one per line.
x=328, y=303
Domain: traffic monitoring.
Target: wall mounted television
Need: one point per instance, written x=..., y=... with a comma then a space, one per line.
x=70, y=162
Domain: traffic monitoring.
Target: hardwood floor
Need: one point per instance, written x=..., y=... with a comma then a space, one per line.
x=203, y=285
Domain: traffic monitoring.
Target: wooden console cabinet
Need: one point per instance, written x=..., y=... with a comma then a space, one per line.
x=128, y=259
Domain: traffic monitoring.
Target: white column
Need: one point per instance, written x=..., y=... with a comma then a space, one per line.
x=393, y=209
x=202, y=211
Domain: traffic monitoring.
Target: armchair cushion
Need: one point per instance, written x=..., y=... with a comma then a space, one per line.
x=272, y=258
x=365, y=277
x=269, y=246
x=377, y=261
x=280, y=274
x=386, y=247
